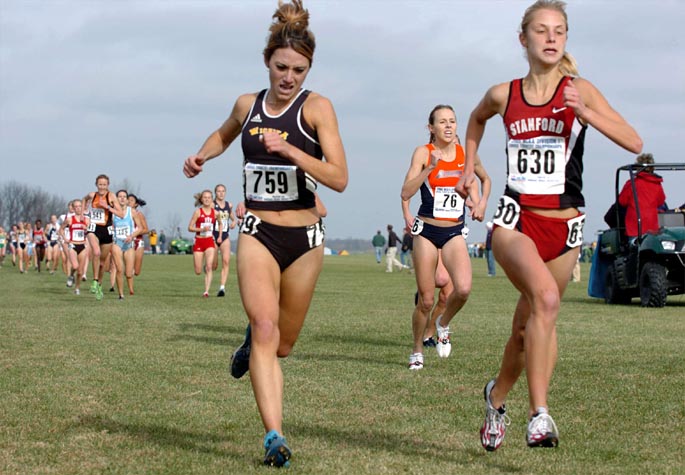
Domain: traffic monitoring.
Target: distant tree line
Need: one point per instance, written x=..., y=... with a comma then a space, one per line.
x=20, y=202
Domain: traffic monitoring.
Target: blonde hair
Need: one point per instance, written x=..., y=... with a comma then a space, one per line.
x=568, y=65
x=290, y=29
x=198, y=197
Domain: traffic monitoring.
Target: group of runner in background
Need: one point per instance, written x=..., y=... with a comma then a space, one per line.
x=103, y=228
x=211, y=221
x=107, y=230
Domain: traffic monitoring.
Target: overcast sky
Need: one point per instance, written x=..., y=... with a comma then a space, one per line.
x=131, y=88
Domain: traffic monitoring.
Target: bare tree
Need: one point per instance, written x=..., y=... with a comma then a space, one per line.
x=134, y=189
x=25, y=203
x=174, y=223
x=127, y=185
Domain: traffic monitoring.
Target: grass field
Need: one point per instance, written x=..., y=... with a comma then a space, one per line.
x=141, y=386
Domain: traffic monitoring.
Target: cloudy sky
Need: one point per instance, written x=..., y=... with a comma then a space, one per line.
x=131, y=88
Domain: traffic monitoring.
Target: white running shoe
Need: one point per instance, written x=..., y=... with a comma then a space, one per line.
x=495, y=424
x=77, y=292
x=416, y=361
x=542, y=431
x=443, y=346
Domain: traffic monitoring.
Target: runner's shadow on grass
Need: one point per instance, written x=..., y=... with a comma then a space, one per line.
x=204, y=442
x=185, y=327
x=188, y=329
x=360, y=340
x=384, y=441
x=344, y=358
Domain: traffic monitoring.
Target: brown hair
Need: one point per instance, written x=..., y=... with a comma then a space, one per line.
x=431, y=118
x=290, y=29
x=568, y=65
x=101, y=176
x=646, y=159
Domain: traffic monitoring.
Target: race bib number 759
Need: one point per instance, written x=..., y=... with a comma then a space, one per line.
x=270, y=182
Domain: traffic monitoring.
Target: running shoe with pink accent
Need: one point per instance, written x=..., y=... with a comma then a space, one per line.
x=495, y=424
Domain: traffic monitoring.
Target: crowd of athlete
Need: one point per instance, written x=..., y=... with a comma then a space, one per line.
x=291, y=144
x=103, y=228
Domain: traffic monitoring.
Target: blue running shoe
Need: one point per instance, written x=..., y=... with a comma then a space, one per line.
x=240, y=360
x=277, y=452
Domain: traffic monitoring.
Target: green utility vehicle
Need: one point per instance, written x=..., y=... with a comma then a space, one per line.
x=650, y=266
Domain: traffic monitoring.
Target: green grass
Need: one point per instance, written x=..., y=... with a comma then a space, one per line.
x=141, y=386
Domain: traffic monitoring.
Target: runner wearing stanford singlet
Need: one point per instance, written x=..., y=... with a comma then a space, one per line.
x=538, y=227
x=102, y=204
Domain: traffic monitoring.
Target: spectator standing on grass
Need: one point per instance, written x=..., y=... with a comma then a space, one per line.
x=538, y=227
x=378, y=242
x=407, y=248
x=286, y=132
x=153, y=241
x=492, y=269
x=162, y=242
x=391, y=253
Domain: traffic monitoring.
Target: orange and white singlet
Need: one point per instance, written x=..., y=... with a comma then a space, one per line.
x=439, y=200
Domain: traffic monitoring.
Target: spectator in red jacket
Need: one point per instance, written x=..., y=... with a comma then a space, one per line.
x=650, y=196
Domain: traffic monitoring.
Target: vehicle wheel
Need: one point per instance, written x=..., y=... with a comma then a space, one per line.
x=613, y=294
x=653, y=285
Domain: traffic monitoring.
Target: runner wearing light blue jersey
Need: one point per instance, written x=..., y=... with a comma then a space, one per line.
x=126, y=229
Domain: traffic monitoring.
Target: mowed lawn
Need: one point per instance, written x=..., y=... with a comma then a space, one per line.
x=141, y=386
